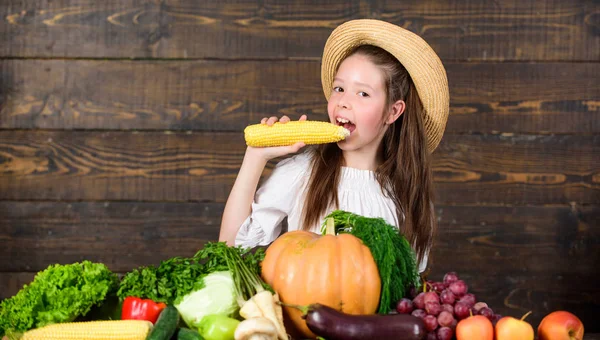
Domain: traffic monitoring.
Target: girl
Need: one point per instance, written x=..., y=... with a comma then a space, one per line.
x=389, y=89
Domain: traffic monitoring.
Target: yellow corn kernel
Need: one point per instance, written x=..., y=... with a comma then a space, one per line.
x=282, y=134
x=92, y=330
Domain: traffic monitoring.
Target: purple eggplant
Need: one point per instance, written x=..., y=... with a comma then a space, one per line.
x=332, y=324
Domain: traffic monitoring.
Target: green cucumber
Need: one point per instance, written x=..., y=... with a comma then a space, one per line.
x=166, y=325
x=188, y=334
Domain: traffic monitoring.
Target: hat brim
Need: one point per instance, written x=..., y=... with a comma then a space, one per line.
x=419, y=59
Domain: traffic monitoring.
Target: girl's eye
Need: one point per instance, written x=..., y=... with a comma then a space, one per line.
x=363, y=94
x=338, y=89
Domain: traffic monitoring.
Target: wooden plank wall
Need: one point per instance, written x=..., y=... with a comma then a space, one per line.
x=121, y=120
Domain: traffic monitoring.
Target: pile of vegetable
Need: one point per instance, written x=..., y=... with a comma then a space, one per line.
x=223, y=292
x=216, y=294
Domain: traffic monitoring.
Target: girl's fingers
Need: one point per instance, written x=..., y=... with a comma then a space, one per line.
x=284, y=119
x=271, y=120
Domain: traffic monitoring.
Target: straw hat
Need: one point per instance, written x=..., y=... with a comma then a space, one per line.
x=419, y=59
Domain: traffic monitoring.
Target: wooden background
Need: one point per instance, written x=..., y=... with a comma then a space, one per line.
x=121, y=131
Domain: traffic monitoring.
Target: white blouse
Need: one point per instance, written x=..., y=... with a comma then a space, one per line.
x=281, y=195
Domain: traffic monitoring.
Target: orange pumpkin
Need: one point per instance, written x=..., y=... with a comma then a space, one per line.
x=337, y=271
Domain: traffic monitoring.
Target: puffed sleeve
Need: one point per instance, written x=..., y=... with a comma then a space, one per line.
x=273, y=201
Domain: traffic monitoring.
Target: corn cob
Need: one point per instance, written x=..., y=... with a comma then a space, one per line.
x=281, y=134
x=92, y=330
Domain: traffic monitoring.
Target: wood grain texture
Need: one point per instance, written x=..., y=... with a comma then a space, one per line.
x=118, y=165
x=154, y=166
x=502, y=30
x=457, y=30
x=517, y=169
x=514, y=258
x=122, y=235
x=536, y=240
x=176, y=95
x=491, y=98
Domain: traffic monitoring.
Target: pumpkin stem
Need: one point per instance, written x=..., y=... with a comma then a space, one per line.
x=330, y=227
x=303, y=309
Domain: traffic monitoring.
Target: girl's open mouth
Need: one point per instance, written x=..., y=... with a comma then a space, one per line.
x=346, y=124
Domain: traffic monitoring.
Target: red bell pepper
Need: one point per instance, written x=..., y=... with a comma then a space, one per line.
x=135, y=308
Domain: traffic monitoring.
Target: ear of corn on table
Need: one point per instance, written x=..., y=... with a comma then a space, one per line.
x=92, y=330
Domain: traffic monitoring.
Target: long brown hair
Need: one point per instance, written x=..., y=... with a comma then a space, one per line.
x=404, y=173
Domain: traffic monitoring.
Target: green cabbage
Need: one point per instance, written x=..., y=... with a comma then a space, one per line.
x=60, y=293
x=216, y=297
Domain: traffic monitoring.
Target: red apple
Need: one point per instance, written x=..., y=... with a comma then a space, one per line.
x=560, y=325
x=475, y=327
x=509, y=328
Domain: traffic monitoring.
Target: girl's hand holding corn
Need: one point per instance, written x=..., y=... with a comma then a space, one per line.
x=268, y=153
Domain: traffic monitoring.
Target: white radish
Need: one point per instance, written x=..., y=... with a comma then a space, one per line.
x=256, y=329
x=265, y=302
x=250, y=310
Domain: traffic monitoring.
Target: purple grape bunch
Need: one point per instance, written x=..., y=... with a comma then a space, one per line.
x=443, y=304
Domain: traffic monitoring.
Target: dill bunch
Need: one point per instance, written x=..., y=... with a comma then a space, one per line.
x=393, y=254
